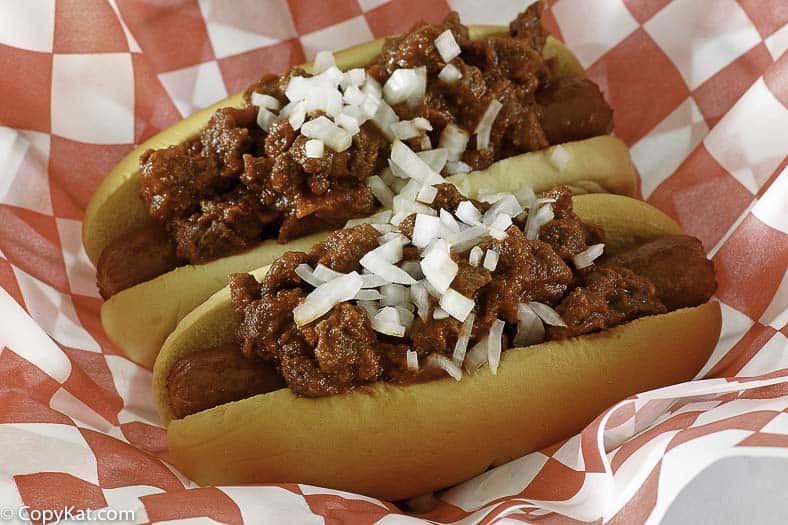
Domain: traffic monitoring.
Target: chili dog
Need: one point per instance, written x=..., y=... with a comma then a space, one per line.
x=586, y=300
x=217, y=193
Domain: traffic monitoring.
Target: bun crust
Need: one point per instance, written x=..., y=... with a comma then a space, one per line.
x=139, y=319
x=438, y=433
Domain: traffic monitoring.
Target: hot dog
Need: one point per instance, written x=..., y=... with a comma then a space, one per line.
x=217, y=193
x=574, y=311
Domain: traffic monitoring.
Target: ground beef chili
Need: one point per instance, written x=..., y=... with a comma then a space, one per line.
x=340, y=350
x=235, y=185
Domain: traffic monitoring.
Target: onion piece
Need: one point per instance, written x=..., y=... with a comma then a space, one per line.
x=435, y=158
x=314, y=148
x=559, y=157
x=448, y=222
x=477, y=356
x=323, y=61
x=262, y=100
x=484, y=127
x=372, y=87
x=384, y=117
x=587, y=257
x=350, y=124
x=501, y=223
x=404, y=130
x=413, y=268
x=421, y=298
x=386, y=321
x=265, y=118
x=450, y=74
x=461, y=346
x=455, y=166
x=326, y=296
x=400, y=85
x=405, y=315
x=420, y=88
x=381, y=217
x=353, y=77
x=475, y=256
x=422, y=123
x=467, y=239
x=424, y=143
x=490, y=260
x=536, y=220
x=546, y=313
x=297, y=115
x=332, y=135
x=367, y=295
x=325, y=273
x=443, y=362
x=494, y=345
x=381, y=192
x=507, y=205
x=378, y=265
x=425, y=229
x=393, y=294
x=412, y=165
x=370, y=280
x=304, y=271
x=353, y=96
x=456, y=304
x=412, y=359
x=370, y=307
x=427, y=194
x=447, y=46
x=438, y=267
x=530, y=329
x=455, y=140
x=468, y=213
x=322, y=99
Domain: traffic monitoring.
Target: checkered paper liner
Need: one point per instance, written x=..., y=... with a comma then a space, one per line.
x=699, y=88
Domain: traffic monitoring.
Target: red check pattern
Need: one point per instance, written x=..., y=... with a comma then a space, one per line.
x=700, y=89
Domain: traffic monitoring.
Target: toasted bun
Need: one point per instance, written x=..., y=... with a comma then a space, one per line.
x=541, y=394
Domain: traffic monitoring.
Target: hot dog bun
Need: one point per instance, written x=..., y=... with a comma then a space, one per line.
x=139, y=318
x=442, y=432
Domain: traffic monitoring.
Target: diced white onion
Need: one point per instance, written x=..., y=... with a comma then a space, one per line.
x=420, y=88
x=387, y=322
x=559, y=157
x=475, y=256
x=353, y=96
x=262, y=100
x=354, y=77
x=456, y=166
x=476, y=357
x=371, y=307
x=467, y=239
x=350, y=124
x=425, y=229
x=455, y=140
x=438, y=266
x=391, y=250
x=456, y=304
x=326, y=296
x=378, y=265
x=536, y=220
x=530, y=329
x=393, y=294
x=383, y=118
x=297, y=115
x=405, y=315
x=425, y=143
x=325, y=273
x=447, y=46
x=461, y=346
x=370, y=105
x=265, y=118
x=412, y=165
x=506, y=205
x=314, y=148
x=484, y=127
x=322, y=99
x=399, y=85
x=412, y=359
x=448, y=222
x=494, y=345
x=427, y=194
x=421, y=298
x=443, y=362
x=450, y=74
x=490, y=260
x=435, y=158
x=367, y=295
x=468, y=213
x=381, y=217
x=501, y=223
x=372, y=281
x=304, y=271
x=380, y=191
x=404, y=130
x=587, y=257
x=422, y=123
x=546, y=313
x=323, y=61
x=372, y=87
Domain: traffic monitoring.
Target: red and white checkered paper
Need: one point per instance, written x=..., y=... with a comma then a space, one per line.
x=699, y=88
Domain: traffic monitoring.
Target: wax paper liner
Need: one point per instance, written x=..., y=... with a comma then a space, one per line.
x=699, y=89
